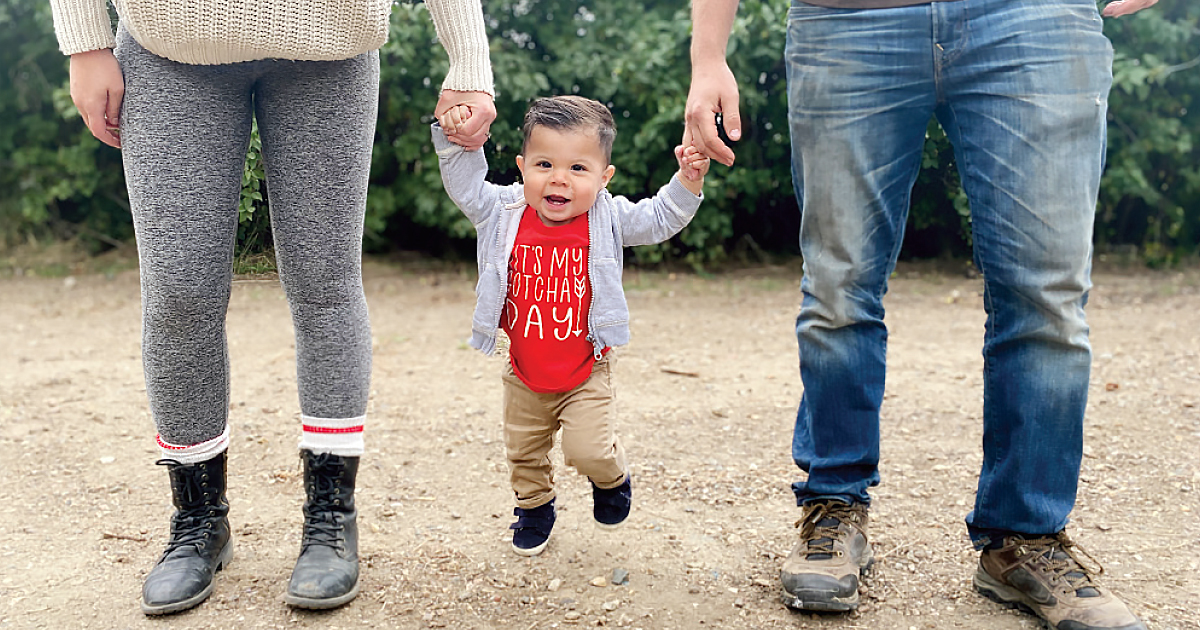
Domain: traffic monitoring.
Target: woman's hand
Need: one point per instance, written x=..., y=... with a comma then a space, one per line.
x=97, y=88
x=474, y=111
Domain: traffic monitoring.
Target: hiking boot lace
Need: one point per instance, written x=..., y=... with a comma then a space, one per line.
x=1064, y=562
x=820, y=527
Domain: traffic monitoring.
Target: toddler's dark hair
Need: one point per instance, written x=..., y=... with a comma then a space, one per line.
x=563, y=113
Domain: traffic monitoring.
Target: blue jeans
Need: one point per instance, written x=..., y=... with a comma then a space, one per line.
x=1021, y=89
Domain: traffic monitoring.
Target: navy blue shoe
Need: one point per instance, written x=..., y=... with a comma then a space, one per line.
x=611, y=506
x=532, y=530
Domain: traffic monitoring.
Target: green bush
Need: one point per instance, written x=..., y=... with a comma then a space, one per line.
x=56, y=181
x=1150, y=196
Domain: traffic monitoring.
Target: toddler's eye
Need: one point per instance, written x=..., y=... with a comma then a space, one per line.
x=543, y=164
x=578, y=167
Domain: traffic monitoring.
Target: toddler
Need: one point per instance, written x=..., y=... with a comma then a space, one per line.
x=550, y=262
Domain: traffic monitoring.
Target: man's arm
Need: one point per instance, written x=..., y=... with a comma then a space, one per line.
x=714, y=89
x=1126, y=7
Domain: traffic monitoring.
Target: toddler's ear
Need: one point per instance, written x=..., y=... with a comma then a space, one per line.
x=521, y=164
x=608, y=174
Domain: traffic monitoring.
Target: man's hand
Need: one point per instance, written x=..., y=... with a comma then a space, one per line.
x=714, y=91
x=471, y=128
x=97, y=88
x=693, y=165
x=1127, y=7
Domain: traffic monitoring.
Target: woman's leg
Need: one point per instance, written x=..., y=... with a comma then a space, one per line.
x=184, y=132
x=317, y=123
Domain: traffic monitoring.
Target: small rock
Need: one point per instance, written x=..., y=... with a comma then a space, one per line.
x=620, y=577
x=554, y=585
x=107, y=459
x=611, y=606
x=572, y=615
x=599, y=582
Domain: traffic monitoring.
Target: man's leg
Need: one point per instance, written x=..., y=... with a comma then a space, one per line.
x=860, y=93
x=1024, y=104
x=1024, y=101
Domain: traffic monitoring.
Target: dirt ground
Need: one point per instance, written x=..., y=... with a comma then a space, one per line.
x=708, y=390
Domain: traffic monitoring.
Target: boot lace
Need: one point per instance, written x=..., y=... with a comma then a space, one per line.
x=820, y=527
x=322, y=525
x=1063, y=561
x=191, y=525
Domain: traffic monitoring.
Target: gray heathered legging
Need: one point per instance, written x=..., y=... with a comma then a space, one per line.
x=185, y=130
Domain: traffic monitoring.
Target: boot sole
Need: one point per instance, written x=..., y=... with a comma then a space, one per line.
x=831, y=604
x=823, y=602
x=309, y=603
x=996, y=591
x=1009, y=597
x=223, y=559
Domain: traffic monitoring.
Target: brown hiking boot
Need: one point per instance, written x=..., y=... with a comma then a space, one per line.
x=822, y=571
x=1045, y=577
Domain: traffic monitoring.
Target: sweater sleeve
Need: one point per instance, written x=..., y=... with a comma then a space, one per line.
x=82, y=25
x=460, y=28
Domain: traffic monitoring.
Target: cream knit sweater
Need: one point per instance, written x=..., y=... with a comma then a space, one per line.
x=228, y=31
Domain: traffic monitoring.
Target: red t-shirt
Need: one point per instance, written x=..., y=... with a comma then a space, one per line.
x=546, y=310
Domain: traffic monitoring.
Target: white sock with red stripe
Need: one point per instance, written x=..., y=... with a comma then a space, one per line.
x=196, y=452
x=336, y=436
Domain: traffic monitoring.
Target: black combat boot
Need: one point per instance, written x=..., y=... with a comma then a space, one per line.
x=200, y=543
x=326, y=574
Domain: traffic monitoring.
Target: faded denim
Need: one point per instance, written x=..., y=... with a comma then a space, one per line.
x=1021, y=89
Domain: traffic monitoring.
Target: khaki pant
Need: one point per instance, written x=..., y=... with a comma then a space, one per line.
x=587, y=415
